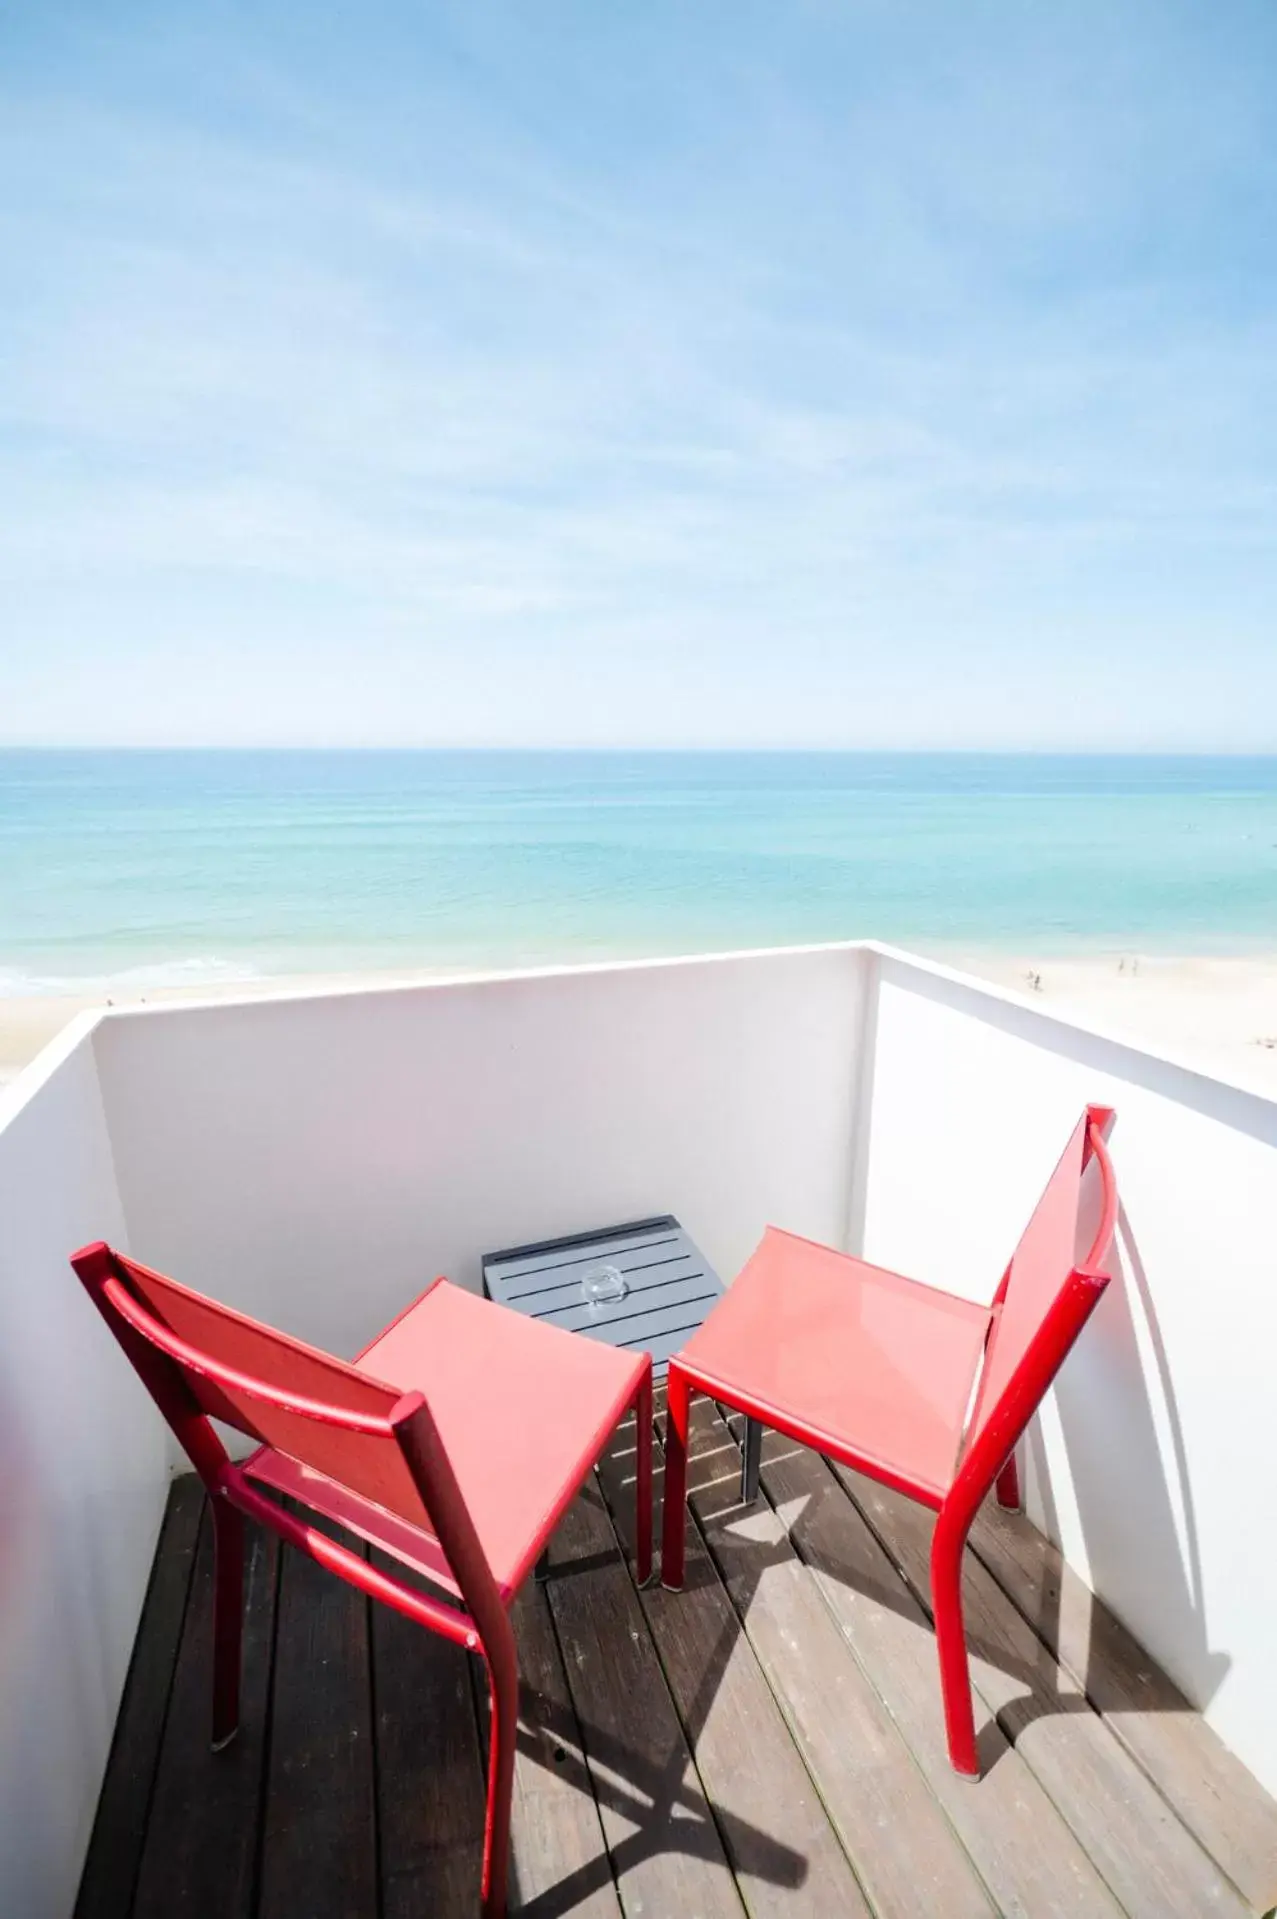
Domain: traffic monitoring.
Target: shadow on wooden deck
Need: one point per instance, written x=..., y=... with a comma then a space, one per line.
x=768, y=1741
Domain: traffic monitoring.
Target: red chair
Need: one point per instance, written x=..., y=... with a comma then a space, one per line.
x=460, y=1469
x=880, y=1373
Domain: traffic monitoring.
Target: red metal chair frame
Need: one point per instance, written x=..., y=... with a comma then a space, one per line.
x=407, y=1459
x=984, y=1449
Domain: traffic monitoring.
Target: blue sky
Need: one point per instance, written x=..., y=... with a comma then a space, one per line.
x=721, y=374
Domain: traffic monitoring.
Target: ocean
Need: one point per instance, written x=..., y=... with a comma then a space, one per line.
x=150, y=868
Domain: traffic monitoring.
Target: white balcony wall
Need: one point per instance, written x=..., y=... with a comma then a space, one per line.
x=83, y=1478
x=1151, y=1464
x=316, y=1160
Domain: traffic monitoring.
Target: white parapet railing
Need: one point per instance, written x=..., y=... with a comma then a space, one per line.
x=316, y=1158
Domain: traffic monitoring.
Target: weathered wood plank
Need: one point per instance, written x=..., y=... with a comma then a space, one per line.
x=111, y=1865
x=1032, y=1864
x=666, y=1853
x=779, y=1840
x=1210, y=1790
x=559, y=1858
x=903, y=1848
x=1154, y=1867
x=201, y=1844
x=319, y=1849
x=429, y=1772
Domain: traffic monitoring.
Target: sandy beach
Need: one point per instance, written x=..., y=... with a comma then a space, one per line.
x=1219, y=1014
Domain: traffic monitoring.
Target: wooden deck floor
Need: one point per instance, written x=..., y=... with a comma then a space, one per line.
x=769, y=1741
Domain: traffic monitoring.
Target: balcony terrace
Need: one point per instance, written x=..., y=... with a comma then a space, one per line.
x=771, y=1738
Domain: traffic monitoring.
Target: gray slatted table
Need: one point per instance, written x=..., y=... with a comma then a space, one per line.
x=670, y=1287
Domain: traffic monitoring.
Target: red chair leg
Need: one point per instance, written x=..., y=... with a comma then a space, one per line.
x=503, y=1689
x=228, y=1618
x=643, y=1477
x=674, y=1525
x=1008, y=1486
x=947, y=1547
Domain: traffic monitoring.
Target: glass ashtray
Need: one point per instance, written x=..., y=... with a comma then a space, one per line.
x=603, y=1286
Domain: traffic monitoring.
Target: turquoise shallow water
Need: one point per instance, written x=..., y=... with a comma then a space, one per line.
x=152, y=867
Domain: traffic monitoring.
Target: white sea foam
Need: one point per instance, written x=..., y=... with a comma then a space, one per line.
x=192, y=973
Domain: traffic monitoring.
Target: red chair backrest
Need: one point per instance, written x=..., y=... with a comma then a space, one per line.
x=198, y=1357
x=1047, y=1295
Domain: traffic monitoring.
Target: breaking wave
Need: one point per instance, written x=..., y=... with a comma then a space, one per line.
x=131, y=979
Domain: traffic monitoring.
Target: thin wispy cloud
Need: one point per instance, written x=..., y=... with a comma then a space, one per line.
x=854, y=375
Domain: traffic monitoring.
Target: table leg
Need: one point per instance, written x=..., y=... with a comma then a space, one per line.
x=751, y=1453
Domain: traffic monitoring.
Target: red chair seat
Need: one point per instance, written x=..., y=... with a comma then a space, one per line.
x=519, y=1450
x=876, y=1365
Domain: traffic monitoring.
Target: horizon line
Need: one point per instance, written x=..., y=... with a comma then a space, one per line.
x=649, y=748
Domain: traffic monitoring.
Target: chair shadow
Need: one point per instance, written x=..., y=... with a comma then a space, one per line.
x=1043, y=1688
x=649, y=1793
x=1119, y=1466
x=889, y=1588
x=648, y=1790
